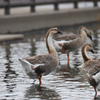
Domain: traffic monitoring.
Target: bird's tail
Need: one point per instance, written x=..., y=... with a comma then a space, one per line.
x=28, y=68
x=26, y=65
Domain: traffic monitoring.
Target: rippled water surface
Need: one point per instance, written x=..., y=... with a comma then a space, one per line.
x=66, y=83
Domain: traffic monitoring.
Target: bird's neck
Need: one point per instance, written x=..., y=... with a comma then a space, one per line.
x=83, y=36
x=84, y=54
x=50, y=46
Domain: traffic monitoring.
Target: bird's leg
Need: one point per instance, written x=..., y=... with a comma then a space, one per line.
x=64, y=70
x=39, y=75
x=63, y=51
x=68, y=58
x=95, y=91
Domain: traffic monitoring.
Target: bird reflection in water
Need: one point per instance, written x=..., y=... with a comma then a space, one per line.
x=97, y=98
x=70, y=70
x=41, y=92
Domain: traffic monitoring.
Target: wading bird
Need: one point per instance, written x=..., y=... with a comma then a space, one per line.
x=71, y=42
x=91, y=68
x=40, y=65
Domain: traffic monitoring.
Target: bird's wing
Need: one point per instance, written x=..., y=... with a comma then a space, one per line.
x=40, y=62
x=92, y=67
x=72, y=44
x=40, y=59
x=66, y=37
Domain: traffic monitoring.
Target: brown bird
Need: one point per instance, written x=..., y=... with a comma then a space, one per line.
x=40, y=65
x=91, y=68
x=71, y=42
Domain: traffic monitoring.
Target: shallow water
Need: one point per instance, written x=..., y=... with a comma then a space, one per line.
x=66, y=83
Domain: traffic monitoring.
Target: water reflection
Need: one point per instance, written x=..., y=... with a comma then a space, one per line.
x=33, y=48
x=97, y=98
x=9, y=73
x=68, y=72
x=40, y=92
x=66, y=83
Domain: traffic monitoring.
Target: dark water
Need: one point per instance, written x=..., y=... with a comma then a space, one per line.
x=66, y=83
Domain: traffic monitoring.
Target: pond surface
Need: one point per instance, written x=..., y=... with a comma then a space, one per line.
x=66, y=83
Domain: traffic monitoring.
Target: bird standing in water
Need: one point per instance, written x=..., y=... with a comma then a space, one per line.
x=40, y=65
x=71, y=42
x=91, y=68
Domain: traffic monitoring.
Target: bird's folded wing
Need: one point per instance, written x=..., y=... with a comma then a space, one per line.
x=92, y=67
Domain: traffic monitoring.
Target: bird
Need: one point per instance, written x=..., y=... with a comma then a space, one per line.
x=91, y=68
x=41, y=65
x=67, y=43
